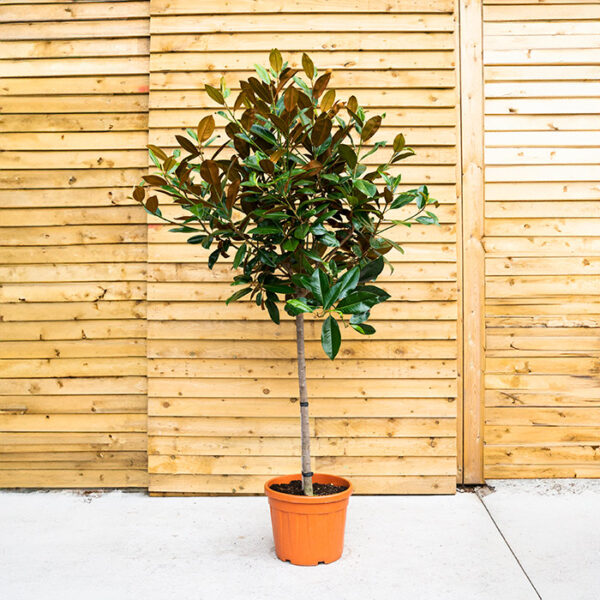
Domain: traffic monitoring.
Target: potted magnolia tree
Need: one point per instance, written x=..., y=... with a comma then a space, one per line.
x=290, y=197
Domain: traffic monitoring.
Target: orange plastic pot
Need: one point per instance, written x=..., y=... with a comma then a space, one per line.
x=309, y=530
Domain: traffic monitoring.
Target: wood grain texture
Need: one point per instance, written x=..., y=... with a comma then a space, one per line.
x=542, y=239
x=222, y=390
x=73, y=248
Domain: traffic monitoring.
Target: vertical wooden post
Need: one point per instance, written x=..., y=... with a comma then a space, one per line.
x=472, y=219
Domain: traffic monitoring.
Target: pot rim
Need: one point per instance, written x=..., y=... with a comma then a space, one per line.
x=308, y=499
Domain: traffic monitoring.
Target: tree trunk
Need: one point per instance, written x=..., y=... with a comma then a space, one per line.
x=307, y=484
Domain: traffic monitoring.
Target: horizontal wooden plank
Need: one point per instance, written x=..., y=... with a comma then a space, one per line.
x=286, y=427
x=396, y=117
x=47, y=67
x=304, y=41
x=290, y=446
x=543, y=130
x=542, y=226
x=580, y=365
x=71, y=442
x=58, y=49
x=541, y=156
x=535, y=435
x=541, y=245
x=74, y=311
x=55, y=478
x=544, y=265
x=440, y=349
x=74, y=367
x=274, y=465
x=542, y=190
x=541, y=12
x=277, y=388
x=73, y=460
x=178, y=252
x=180, y=274
x=73, y=29
x=44, y=122
x=65, y=235
x=498, y=398
x=96, y=404
x=72, y=385
x=557, y=417
x=72, y=330
x=73, y=85
x=306, y=7
x=547, y=456
x=542, y=106
x=36, y=179
x=560, y=209
x=523, y=72
x=82, y=159
x=322, y=22
x=542, y=471
x=501, y=42
x=69, y=422
x=256, y=330
x=369, y=98
x=85, y=253
x=46, y=273
x=526, y=286
x=58, y=292
x=581, y=385
x=79, y=140
x=73, y=349
x=254, y=484
x=250, y=367
x=288, y=407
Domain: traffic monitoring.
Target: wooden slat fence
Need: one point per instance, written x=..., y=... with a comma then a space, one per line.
x=74, y=125
x=542, y=161
x=223, y=412
x=121, y=366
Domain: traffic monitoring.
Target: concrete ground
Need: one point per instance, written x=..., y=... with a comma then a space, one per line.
x=525, y=540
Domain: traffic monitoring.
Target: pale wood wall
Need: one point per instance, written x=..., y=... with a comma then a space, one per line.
x=77, y=259
x=73, y=97
x=223, y=414
x=543, y=238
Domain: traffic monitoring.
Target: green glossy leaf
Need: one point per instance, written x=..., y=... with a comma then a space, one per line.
x=371, y=270
x=357, y=302
x=237, y=295
x=319, y=285
x=196, y=239
x=363, y=328
x=265, y=230
x=366, y=187
x=273, y=311
x=295, y=306
x=329, y=240
x=239, y=256
x=358, y=318
x=212, y=259
x=343, y=287
x=331, y=338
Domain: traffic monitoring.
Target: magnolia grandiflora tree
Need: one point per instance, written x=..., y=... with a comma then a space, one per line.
x=287, y=192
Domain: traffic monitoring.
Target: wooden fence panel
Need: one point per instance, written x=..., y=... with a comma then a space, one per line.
x=542, y=239
x=222, y=388
x=74, y=95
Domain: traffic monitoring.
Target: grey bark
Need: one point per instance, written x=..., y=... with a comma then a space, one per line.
x=307, y=484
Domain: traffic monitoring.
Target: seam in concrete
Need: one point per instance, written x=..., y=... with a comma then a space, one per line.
x=507, y=544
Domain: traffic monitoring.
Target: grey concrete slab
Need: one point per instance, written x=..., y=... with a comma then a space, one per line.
x=553, y=526
x=62, y=545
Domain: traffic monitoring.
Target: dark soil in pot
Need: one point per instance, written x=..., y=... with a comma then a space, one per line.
x=294, y=488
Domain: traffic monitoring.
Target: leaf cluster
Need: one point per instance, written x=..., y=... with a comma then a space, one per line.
x=285, y=191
